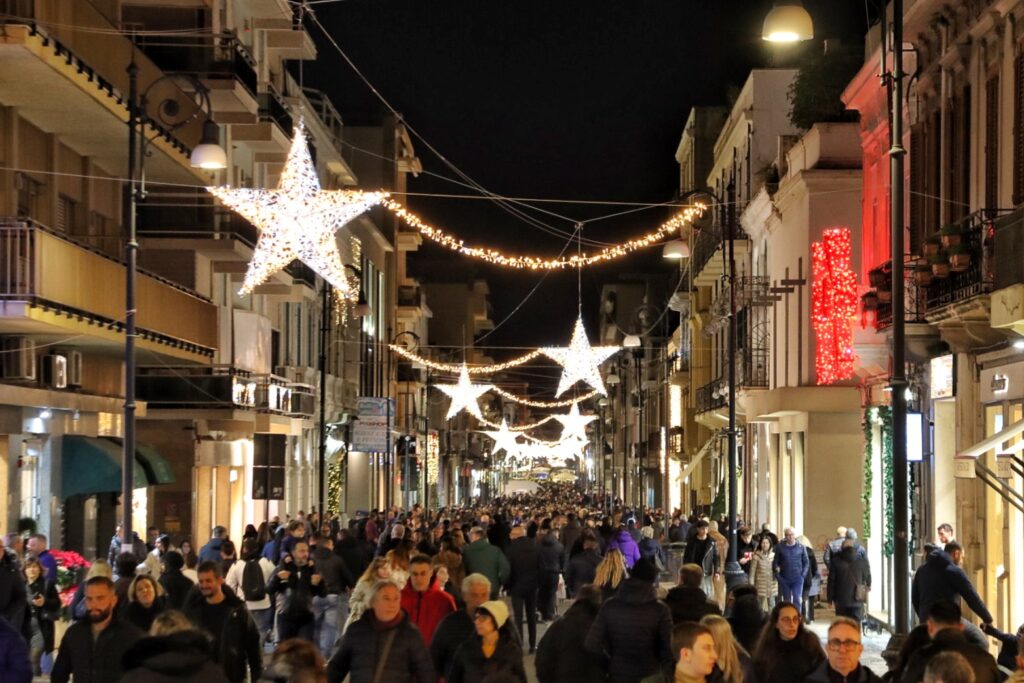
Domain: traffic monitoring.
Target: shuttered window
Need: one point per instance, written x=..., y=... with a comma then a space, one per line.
x=1018, y=130
x=918, y=230
x=992, y=143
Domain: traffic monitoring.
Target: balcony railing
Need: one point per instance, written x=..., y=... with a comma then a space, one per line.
x=225, y=57
x=222, y=387
x=273, y=108
x=1009, y=240
x=705, y=244
x=327, y=114
x=978, y=234
x=46, y=268
x=710, y=397
x=410, y=296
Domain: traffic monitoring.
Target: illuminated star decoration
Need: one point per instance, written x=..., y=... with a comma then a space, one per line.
x=297, y=220
x=574, y=425
x=464, y=395
x=580, y=361
x=505, y=440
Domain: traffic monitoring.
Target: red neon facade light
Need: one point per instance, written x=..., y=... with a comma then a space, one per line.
x=833, y=305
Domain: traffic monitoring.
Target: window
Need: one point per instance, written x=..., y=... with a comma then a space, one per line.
x=28, y=193
x=1018, y=129
x=66, y=207
x=992, y=143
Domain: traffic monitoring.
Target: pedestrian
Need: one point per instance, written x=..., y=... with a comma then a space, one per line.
x=561, y=657
x=14, y=605
x=651, y=549
x=44, y=606
x=745, y=547
x=249, y=580
x=524, y=564
x=791, y=567
x=941, y=578
x=175, y=584
x=695, y=647
x=623, y=542
x=173, y=651
x=216, y=610
x=766, y=532
x=1009, y=645
x=610, y=573
x=296, y=661
x=100, y=567
x=915, y=640
x=330, y=610
x=946, y=534
x=480, y=557
x=398, y=564
x=549, y=569
x=702, y=551
x=633, y=630
x=762, y=573
x=450, y=556
x=124, y=570
x=812, y=580
x=734, y=664
x=947, y=635
x=145, y=601
x=492, y=650
x=582, y=567
x=228, y=556
x=15, y=666
x=722, y=549
x=37, y=547
x=787, y=651
x=359, y=601
x=458, y=626
x=949, y=667
x=91, y=650
x=832, y=549
x=211, y=551
x=687, y=600
x=747, y=620
x=843, y=650
x=423, y=600
x=298, y=581
x=382, y=646
x=849, y=582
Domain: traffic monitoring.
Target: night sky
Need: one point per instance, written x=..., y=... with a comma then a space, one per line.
x=546, y=98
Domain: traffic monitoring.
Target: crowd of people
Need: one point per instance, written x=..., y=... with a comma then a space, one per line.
x=457, y=595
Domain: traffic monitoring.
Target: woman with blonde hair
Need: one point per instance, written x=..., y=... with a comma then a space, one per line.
x=145, y=601
x=733, y=660
x=722, y=546
x=359, y=600
x=398, y=563
x=610, y=573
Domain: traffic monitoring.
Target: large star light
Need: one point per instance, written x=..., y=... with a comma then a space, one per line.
x=580, y=361
x=464, y=395
x=297, y=220
x=505, y=440
x=574, y=425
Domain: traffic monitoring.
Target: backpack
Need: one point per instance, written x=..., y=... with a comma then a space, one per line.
x=254, y=588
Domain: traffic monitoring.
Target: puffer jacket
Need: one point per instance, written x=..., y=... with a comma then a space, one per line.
x=364, y=641
x=762, y=574
x=791, y=562
x=183, y=656
x=427, y=609
x=634, y=631
x=625, y=544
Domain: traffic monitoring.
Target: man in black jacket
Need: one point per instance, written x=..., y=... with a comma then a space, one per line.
x=300, y=582
x=216, y=609
x=458, y=626
x=549, y=566
x=91, y=649
x=687, y=601
x=701, y=551
x=947, y=635
x=582, y=567
x=561, y=657
x=176, y=585
x=524, y=559
x=13, y=599
x=940, y=578
x=634, y=630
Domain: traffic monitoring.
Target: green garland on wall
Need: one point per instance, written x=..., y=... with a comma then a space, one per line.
x=869, y=475
x=334, y=484
x=881, y=416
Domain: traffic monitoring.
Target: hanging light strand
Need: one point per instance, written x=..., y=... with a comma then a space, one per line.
x=457, y=368
x=544, y=404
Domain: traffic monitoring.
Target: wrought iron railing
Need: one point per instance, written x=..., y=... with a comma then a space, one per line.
x=222, y=57
x=977, y=234
x=710, y=396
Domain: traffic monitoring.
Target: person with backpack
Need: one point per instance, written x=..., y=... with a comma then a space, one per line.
x=249, y=579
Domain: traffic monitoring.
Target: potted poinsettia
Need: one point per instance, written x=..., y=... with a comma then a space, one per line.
x=71, y=568
x=959, y=257
x=876, y=277
x=869, y=301
x=932, y=246
x=950, y=235
x=940, y=265
x=923, y=274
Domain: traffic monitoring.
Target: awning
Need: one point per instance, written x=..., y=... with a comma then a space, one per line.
x=93, y=465
x=705, y=449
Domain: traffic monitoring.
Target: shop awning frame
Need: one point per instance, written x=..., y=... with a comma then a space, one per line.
x=91, y=465
x=704, y=450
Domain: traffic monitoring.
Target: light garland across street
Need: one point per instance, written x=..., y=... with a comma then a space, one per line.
x=544, y=404
x=457, y=367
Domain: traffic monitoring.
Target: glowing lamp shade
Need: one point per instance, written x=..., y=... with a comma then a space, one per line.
x=787, y=22
x=675, y=249
x=632, y=341
x=208, y=154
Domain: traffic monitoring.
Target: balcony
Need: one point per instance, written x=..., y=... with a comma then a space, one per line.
x=273, y=129
x=1008, y=273
x=709, y=253
x=710, y=397
x=52, y=284
x=223, y=388
x=978, y=236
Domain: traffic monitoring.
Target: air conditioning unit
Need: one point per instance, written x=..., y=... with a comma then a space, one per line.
x=19, y=358
x=55, y=371
x=74, y=368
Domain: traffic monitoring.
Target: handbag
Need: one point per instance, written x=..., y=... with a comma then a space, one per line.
x=383, y=661
x=860, y=592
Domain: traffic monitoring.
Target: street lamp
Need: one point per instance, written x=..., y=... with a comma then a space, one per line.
x=406, y=469
x=675, y=250
x=207, y=155
x=787, y=22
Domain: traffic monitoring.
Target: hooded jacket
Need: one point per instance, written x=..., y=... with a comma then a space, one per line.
x=633, y=630
x=426, y=609
x=181, y=656
x=625, y=544
x=939, y=578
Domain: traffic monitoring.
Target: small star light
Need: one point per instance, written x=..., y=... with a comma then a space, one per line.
x=505, y=440
x=580, y=361
x=464, y=395
x=574, y=425
x=297, y=220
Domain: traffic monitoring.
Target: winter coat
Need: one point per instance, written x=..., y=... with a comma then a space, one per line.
x=93, y=662
x=471, y=666
x=359, y=601
x=337, y=577
x=49, y=612
x=571, y=533
x=550, y=558
x=239, y=640
x=952, y=640
x=581, y=570
x=177, y=586
x=704, y=554
x=848, y=571
x=794, y=659
x=211, y=551
x=356, y=555
x=812, y=580
x=561, y=657
x=625, y=544
x=427, y=609
x=791, y=563
x=649, y=549
x=939, y=578
x=689, y=604
x=13, y=601
x=480, y=557
x=523, y=559
x=298, y=589
x=747, y=621
x=634, y=631
x=141, y=616
x=364, y=641
x=15, y=666
x=453, y=630
x=183, y=656
x=761, y=573
x=861, y=674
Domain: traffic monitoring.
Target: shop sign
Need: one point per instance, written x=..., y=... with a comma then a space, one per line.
x=941, y=376
x=963, y=466
x=433, y=456
x=370, y=432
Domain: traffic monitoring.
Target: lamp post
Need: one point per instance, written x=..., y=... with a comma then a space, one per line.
x=406, y=470
x=799, y=27
x=207, y=155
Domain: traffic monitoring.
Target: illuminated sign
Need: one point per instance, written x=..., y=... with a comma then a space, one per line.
x=433, y=456
x=941, y=376
x=833, y=306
